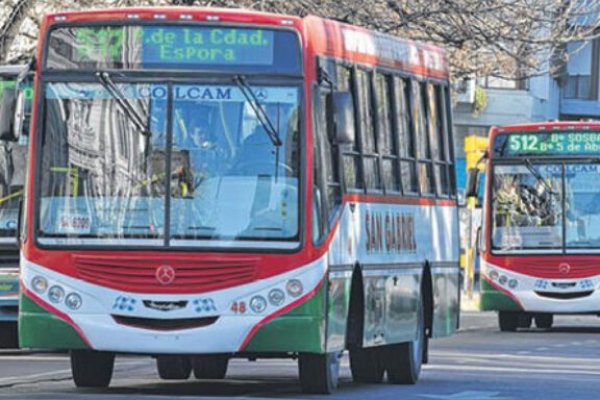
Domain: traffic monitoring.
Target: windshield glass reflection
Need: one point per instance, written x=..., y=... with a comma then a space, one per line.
x=103, y=177
x=526, y=207
x=582, y=205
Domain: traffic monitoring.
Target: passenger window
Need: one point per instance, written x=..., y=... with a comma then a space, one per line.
x=419, y=118
x=404, y=134
x=367, y=131
x=387, y=144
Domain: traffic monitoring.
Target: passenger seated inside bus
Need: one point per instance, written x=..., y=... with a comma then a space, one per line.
x=258, y=156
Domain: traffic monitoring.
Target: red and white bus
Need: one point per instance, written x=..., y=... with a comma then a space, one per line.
x=541, y=233
x=208, y=184
x=13, y=162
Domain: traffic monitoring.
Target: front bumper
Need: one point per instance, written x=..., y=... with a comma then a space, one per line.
x=543, y=295
x=295, y=325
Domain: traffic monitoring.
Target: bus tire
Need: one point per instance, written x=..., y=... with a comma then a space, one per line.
x=173, y=367
x=92, y=368
x=211, y=366
x=508, y=321
x=318, y=372
x=403, y=361
x=544, y=321
x=9, y=335
x=366, y=365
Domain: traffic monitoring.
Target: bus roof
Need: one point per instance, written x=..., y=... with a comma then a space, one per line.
x=354, y=43
x=545, y=126
x=323, y=37
x=161, y=14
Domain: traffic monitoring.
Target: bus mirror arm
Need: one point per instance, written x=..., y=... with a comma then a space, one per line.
x=472, y=188
x=19, y=222
x=7, y=114
x=343, y=114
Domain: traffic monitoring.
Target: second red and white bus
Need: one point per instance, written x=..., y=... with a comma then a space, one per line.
x=207, y=184
x=540, y=248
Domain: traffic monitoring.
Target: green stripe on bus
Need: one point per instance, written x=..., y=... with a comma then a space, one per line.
x=493, y=299
x=301, y=329
x=39, y=328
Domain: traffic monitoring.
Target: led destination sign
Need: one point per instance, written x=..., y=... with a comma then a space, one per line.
x=171, y=47
x=207, y=45
x=555, y=143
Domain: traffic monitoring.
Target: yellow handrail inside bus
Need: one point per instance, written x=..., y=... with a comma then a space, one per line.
x=74, y=171
x=11, y=196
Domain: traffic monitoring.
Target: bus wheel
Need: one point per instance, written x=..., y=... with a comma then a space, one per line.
x=92, y=368
x=319, y=372
x=212, y=366
x=403, y=361
x=9, y=336
x=366, y=365
x=173, y=367
x=544, y=321
x=508, y=321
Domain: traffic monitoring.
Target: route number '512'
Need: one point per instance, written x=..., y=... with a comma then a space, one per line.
x=522, y=143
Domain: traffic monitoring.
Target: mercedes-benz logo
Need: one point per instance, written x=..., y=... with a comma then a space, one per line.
x=261, y=94
x=165, y=274
x=564, y=268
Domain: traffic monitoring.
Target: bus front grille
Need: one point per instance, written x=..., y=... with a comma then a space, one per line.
x=565, y=296
x=157, y=324
x=189, y=275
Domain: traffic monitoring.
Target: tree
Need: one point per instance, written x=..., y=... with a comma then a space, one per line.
x=11, y=24
x=504, y=38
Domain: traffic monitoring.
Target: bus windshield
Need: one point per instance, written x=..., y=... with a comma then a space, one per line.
x=202, y=169
x=546, y=207
x=13, y=158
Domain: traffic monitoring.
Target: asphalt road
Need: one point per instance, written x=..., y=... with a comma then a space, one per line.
x=479, y=363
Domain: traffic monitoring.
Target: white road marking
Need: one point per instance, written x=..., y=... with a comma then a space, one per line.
x=12, y=380
x=511, y=369
x=468, y=395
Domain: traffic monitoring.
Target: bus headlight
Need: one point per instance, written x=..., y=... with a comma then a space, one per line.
x=512, y=283
x=276, y=297
x=73, y=301
x=294, y=287
x=39, y=284
x=258, y=304
x=493, y=274
x=502, y=280
x=56, y=294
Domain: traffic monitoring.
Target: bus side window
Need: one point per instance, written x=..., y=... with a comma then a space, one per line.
x=365, y=124
x=437, y=139
x=447, y=127
x=423, y=147
x=327, y=194
x=386, y=143
x=405, y=136
x=351, y=160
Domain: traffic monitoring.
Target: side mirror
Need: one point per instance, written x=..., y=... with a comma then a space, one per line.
x=472, y=189
x=343, y=117
x=7, y=114
x=478, y=239
x=19, y=115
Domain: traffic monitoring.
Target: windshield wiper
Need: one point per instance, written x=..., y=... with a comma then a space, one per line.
x=128, y=109
x=536, y=174
x=262, y=116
